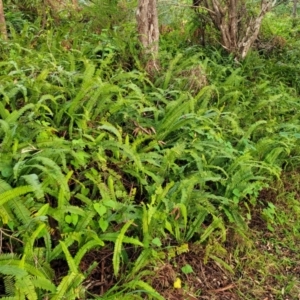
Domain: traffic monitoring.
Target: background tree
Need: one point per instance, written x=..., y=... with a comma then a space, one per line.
x=3, y=29
x=148, y=31
x=295, y=4
x=236, y=22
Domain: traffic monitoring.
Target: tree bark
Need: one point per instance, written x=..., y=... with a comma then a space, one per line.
x=148, y=32
x=295, y=2
x=253, y=30
x=238, y=29
x=75, y=4
x=3, y=30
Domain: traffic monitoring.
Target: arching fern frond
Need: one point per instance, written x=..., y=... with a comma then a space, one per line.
x=14, y=193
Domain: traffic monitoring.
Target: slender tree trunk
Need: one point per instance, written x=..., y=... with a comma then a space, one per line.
x=148, y=31
x=75, y=4
x=3, y=30
x=295, y=2
x=238, y=29
x=253, y=30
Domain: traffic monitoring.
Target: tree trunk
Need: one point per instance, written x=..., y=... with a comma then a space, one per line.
x=295, y=2
x=148, y=32
x=3, y=30
x=75, y=4
x=238, y=28
x=253, y=30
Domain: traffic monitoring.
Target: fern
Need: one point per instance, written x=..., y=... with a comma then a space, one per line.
x=118, y=248
x=14, y=193
x=86, y=247
x=71, y=263
x=145, y=288
x=25, y=287
x=12, y=270
x=64, y=286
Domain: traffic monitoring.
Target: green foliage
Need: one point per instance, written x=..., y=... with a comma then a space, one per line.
x=94, y=155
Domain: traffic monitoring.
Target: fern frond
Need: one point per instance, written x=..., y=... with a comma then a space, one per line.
x=64, y=286
x=216, y=224
x=85, y=222
x=21, y=212
x=25, y=286
x=33, y=180
x=4, y=186
x=71, y=262
x=112, y=237
x=87, y=84
x=15, y=115
x=84, y=248
x=176, y=117
x=28, y=268
x=195, y=226
x=8, y=269
x=56, y=252
x=14, y=193
x=118, y=247
x=8, y=135
x=146, y=288
x=43, y=283
x=28, y=250
x=143, y=259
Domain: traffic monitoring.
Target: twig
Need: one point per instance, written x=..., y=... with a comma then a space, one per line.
x=228, y=287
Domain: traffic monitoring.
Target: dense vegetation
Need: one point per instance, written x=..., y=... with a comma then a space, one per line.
x=109, y=176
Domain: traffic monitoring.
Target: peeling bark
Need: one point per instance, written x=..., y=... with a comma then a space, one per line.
x=148, y=32
x=3, y=30
x=253, y=30
x=238, y=29
x=295, y=2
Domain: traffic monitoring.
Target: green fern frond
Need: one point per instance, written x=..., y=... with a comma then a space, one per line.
x=14, y=193
x=109, y=127
x=56, y=252
x=143, y=259
x=216, y=224
x=4, y=113
x=4, y=186
x=112, y=237
x=21, y=212
x=15, y=115
x=64, y=286
x=8, y=135
x=146, y=288
x=86, y=221
x=43, y=283
x=84, y=248
x=252, y=128
x=88, y=83
x=170, y=70
x=33, y=180
x=118, y=247
x=8, y=269
x=28, y=250
x=174, y=118
x=71, y=262
x=196, y=225
x=28, y=268
x=25, y=286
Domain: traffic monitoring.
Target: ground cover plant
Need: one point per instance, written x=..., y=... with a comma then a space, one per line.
x=116, y=183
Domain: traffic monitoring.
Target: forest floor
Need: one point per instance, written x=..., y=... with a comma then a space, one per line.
x=263, y=265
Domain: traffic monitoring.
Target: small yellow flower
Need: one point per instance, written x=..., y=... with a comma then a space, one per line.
x=177, y=283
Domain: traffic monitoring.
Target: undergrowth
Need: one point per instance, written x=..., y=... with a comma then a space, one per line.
x=95, y=156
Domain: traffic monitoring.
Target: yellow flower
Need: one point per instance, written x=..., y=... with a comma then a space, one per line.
x=177, y=283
